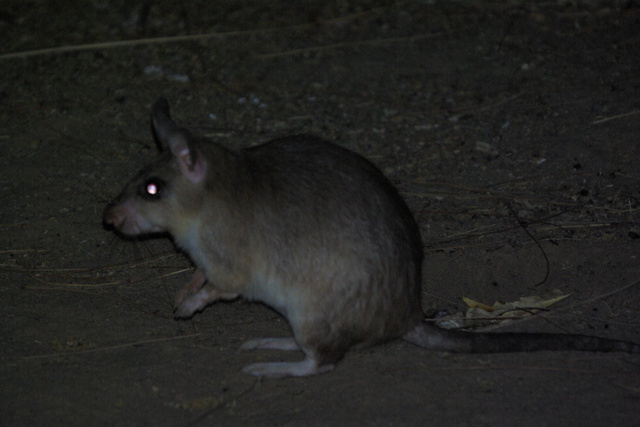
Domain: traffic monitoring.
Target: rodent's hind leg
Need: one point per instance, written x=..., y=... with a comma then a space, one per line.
x=287, y=344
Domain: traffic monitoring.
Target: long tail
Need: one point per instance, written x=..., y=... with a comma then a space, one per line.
x=434, y=338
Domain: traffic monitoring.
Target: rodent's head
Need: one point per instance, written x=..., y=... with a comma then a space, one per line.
x=167, y=194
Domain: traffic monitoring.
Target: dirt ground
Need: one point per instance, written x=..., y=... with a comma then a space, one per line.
x=510, y=127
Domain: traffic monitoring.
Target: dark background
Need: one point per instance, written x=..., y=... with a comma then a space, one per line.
x=510, y=127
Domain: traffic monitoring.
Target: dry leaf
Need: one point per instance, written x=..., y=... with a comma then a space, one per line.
x=477, y=313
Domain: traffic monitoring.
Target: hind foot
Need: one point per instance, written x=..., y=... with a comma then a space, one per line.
x=309, y=366
x=287, y=344
x=288, y=369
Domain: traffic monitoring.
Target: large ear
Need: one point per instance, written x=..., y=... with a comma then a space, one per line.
x=163, y=124
x=191, y=162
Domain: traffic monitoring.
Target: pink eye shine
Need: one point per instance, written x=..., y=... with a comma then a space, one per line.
x=152, y=189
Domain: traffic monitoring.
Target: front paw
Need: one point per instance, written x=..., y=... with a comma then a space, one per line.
x=188, y=305
x=183, y=312
x=190, y=289
x=181, y=296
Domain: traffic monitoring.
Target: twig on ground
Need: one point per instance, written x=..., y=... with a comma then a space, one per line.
x=112, y=347
x=617, y=116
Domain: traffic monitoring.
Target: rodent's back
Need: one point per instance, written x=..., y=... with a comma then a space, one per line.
x=337, y=220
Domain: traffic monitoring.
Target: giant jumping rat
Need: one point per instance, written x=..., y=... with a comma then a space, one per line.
x=309, y=228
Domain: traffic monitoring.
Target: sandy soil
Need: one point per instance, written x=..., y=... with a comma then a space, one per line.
x=511, y=129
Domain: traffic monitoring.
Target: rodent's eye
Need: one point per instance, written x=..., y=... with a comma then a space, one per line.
x=152, y=188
